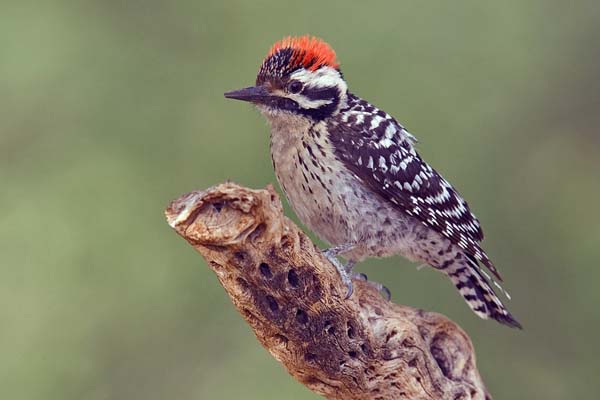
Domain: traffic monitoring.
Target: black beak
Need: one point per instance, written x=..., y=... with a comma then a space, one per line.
x=254, y=94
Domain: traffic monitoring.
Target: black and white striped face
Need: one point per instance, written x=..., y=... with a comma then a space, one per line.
x=315, y=94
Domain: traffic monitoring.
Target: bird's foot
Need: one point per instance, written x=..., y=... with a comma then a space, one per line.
x=346, y=273
x=384, y=291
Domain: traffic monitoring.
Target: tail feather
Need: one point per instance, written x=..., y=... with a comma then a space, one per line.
x=477, y=292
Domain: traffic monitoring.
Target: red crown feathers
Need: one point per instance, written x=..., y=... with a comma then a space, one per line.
x=307, y=51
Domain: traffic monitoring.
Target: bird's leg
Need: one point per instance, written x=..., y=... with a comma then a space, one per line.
x=339, y=249
x=342, y=270
x=345, y=271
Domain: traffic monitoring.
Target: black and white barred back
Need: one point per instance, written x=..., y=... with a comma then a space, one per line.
x=381, y=153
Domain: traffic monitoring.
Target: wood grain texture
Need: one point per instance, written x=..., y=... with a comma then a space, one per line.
x=363, y=347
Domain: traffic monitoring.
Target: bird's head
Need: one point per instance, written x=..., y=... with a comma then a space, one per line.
x=300, y=76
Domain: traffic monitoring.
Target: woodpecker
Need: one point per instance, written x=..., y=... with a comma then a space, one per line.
x=353, y=176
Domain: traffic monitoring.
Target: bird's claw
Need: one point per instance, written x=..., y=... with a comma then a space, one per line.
x=350, y=288
x=359, y=276
x=384, y=291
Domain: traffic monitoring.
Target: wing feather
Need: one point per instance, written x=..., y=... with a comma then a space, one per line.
x=381, y=153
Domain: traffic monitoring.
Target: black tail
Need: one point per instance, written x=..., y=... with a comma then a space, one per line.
x=477, y=292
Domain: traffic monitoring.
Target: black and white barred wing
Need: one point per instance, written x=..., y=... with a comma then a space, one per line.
x=380, y=152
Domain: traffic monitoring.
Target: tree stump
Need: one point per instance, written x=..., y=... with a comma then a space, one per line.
x=364, y=347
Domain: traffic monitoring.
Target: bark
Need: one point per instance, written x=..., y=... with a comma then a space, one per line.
x=363, y=347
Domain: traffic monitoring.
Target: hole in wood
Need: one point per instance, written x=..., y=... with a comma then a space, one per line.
x=293, y=278
x=301, y=317
x=391, y=335
x=256, y=233
x=286, y=242
x=240, y=256
x=216, y=266
x=330, y=329
x=281, y=338
x=265, y=270
x=273, y=306
x=350, y=331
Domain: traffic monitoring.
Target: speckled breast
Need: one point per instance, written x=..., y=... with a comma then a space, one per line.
x=327, y=198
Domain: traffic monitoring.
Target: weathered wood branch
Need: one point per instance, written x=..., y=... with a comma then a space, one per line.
x=293, y=298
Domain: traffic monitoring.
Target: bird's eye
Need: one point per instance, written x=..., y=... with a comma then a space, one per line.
x=294, y=87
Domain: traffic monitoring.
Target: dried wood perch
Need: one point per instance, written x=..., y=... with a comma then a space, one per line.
x=360, y=348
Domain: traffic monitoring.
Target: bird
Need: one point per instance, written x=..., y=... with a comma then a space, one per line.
x=353, y=176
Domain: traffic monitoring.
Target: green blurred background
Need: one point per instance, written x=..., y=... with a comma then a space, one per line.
x=110, y=109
